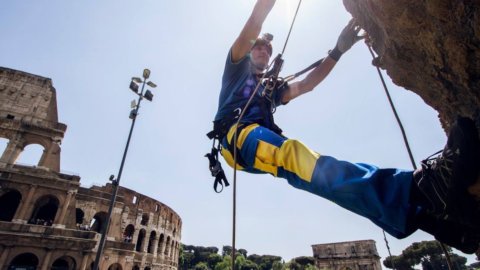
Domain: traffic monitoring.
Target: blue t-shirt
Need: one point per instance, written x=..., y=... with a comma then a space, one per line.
x=238, y=84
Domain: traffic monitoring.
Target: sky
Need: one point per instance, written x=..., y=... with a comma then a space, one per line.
x=91, y=50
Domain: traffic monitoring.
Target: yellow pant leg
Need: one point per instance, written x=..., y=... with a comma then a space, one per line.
x=292, y=155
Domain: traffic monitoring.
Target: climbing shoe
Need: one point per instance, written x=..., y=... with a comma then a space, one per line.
x=444, y=178
x=450, y=233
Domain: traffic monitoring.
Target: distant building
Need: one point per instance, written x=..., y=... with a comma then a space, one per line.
x=47, y=221
x=355, y=255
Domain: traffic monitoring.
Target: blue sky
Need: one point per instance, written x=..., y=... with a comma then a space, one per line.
x=91, y=49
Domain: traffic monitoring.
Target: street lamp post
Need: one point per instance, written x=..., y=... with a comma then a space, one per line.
x=116, y=182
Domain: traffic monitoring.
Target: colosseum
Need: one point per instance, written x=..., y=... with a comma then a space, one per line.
x=47, y=220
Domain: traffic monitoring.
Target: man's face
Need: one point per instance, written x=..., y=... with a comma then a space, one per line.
x=260, y=57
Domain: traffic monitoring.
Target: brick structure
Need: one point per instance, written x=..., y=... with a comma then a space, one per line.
x=354, y=255
x=47, y=221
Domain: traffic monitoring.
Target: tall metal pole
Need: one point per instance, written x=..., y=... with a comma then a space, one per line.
x=116, y=182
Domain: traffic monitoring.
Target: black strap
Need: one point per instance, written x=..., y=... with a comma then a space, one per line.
x=216, y=169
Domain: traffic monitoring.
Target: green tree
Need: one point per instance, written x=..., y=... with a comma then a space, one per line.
x=213, y=259
x=293, y=265
x=304, y=261
x=243, y=252
x=240, y=262
x=278, y=265
x=264, y=262
x=201, y=266
x=249, y=265
x=185, y=258
x=225, y=264
x=429, y=254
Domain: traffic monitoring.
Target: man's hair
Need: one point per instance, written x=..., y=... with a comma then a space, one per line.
x=265, y=39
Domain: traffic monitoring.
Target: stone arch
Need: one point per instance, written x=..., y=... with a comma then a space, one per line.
x=9, y=202
x=27, y=261
x=45, y=210
x=172, y=249
x=145, y=218
x=98, y=220
x=140, y=240
x=177, y=251
x=135, y=267
x=147, y=268
x=79, y=216
x=167, y=246
x=3, y=145
x=161, y=241
x=115, y=266
x=64, y=263
x=128, y=233
x=31, y=154
x=151, y=241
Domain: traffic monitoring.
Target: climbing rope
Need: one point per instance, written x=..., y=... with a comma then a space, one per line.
x=407, y=146
x=235, y=138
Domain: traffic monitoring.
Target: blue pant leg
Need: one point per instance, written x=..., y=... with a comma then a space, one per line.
x=381, y=195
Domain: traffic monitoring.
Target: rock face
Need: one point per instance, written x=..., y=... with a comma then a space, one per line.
x=429, y=47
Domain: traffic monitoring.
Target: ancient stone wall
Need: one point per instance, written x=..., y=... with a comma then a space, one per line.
x=354, y=255
x=46, y=219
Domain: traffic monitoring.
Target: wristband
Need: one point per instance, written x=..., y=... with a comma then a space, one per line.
x=335, y=54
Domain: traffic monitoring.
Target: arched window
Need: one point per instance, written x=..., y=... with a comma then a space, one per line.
x=98, y=221
x=136, y=267
x=147, y=268
x=140, y=239
x=27, y=261
x=79, y=215
x=145, y=218
x=128, y=233
x=150, y=242
x=45, y=211
x=31, y=154
x=161, y=241
x=9, y=202
x=115, y=266
x=64, y=263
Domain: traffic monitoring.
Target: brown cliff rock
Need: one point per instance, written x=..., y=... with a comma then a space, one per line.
x=429, y=47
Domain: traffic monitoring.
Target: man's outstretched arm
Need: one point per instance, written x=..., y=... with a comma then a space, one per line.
x=251, y=30
x=347, y=38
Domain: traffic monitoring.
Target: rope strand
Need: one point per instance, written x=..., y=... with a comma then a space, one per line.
x=407, y=146
x=235, y=138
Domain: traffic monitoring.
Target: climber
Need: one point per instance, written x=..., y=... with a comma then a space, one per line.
x=399, y=201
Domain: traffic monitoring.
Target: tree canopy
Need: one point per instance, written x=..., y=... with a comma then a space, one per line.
x=428, y=254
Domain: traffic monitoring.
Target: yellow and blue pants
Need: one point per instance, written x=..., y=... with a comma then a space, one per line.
x=381, y=195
